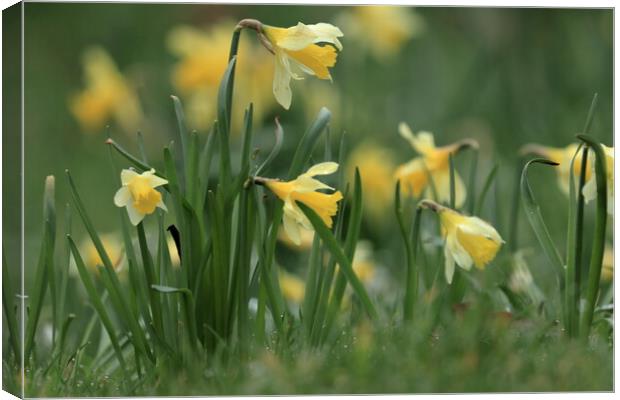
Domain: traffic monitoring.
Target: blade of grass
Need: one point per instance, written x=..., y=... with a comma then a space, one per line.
x=183, y=132
x=471, y=186
x=452, y=188
x=8, y=296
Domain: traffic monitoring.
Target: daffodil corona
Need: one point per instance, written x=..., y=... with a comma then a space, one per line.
x=302, y=48
x=468, y=240
x=138, y=194
x=433, y=163
x=304, y=190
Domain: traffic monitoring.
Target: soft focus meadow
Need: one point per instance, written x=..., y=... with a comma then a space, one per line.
x=371, y=228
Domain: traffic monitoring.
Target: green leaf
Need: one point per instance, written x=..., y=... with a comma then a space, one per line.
x=183, y=132
x=345, y=264
x=139, y=164
x=307, y=143
x=452, y=188
x=534, y=216
x=224, y=112
x=275, y=150
x=485, y=189
x=598, y=242
x=8, y=306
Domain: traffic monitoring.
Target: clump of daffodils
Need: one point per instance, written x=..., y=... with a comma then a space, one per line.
x=298, y=50
x=138, y=194
x=304, y=189
x=107, y=95
x=467, y=240
x=432, y=167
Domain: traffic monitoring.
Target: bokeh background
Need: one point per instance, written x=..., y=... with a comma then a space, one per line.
x=503, y=76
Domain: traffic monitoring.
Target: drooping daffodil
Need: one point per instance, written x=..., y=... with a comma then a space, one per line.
x=304, y=190
x=563, y=156
x=433, y=163
x=467, y=240
x=310, y=49
x=589, y=189
x=138, y=194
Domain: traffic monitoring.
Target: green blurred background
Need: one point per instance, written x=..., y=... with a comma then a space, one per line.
x=503, y=76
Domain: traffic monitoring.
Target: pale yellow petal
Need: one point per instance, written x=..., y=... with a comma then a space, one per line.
x=449, y=265
x=324, y=168
x=127, y=175
x=305, y=184
x=461, y=257
x=292, y=229
x=134, y=215
x=122, y=197
x=282, y=82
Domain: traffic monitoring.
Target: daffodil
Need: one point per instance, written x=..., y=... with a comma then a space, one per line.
x=311, y=49
x=293, y=287
x=306, y=239
x=433, y=163
x=377, y=176
x=589, y=189
x=203, y=58
x=563, y=156
x=107, y=95
x=381, y=30
x=138, y=194
x=467, y=240
x=304, y=190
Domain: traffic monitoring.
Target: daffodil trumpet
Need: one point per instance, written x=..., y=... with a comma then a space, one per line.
x=467, y=240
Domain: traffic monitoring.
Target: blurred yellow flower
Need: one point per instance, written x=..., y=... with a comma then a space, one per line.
x=377, y=175
x=468, y=240
x=107, y=95
x=111, y=244
x=381, y=30
x=292, y=287
x=434, y=162
x=303, y=189
x=174, y=254
x=363, y=263
x=564, y=157
x=589, y=189
x=302, y=48
x=203, y=58
x=607, y=273
x=138, y=194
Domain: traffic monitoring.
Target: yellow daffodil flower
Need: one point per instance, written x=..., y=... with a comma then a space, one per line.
x=303, y=189
x=203, y=58
x=564, y=157
x=589, y=189
x=433, y=162
x=302, y=48
x=107, y=95
x=392, y=27
x=111, y=244
x=293, y=288
x=377, y=175
x=138, y=194
x=468, y=240
x=607, y=273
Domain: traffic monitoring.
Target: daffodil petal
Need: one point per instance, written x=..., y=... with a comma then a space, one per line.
x=282, y=83
x=461, y=257
x=449, y=265
x=127, y=175
x=327, y=33
x=324, y=168
x=589, y=190
x=134, y=215
x=162, y=205
x=305, y=184
x=156, y=181
x=122, y=197
x=441, y=179
x=292, y=229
